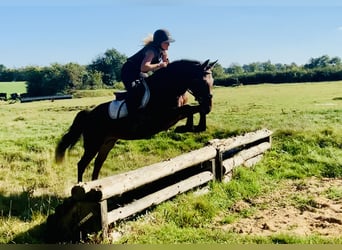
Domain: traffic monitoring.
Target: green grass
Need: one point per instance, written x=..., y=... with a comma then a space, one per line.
x=93, y=93
x=307, y=141
x=334, y=193
x=12, y=87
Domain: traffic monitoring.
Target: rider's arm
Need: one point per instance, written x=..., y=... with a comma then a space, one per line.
x=147, y=64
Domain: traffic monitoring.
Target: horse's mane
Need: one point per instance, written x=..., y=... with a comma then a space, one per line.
x=172, y=77
x=182, y=64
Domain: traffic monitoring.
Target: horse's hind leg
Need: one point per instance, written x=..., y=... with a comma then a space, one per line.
x=101, y=157
x=84, y=162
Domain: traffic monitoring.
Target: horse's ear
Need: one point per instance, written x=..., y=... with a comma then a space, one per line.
x=212, y=64
x=205, y=64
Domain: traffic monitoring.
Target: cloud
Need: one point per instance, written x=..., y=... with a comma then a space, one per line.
x=339, y=28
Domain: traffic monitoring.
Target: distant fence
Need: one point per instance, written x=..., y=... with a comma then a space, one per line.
x=42, y=98
x=94, y=205
x=24, y=98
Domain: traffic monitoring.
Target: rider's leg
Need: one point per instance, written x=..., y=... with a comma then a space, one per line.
x=134, y=97
x=128, y=77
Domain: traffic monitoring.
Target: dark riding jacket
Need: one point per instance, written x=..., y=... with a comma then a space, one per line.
x=131, y=69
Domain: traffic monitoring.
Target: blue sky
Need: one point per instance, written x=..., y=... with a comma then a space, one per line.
x=40, y=32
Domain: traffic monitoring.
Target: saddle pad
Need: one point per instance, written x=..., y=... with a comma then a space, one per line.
x=118, y=108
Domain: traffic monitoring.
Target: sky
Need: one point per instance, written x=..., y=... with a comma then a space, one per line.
x=41, y=32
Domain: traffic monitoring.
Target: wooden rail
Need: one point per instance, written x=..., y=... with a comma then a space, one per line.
x=159, y=196
x=99, y=203
x=116, y=185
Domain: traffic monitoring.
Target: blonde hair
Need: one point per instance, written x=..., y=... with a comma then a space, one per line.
x=149, y=39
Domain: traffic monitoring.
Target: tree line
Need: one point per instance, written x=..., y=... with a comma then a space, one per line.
x=318, y=69
x=104, y=72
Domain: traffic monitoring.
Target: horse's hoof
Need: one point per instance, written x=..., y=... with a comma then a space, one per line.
x=199, y=129
x=184, y=129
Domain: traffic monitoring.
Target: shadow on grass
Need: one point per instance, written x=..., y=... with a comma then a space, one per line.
x=26, y=207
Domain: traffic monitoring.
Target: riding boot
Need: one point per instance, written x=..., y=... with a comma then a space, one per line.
x=134, y=97
x=132, y=104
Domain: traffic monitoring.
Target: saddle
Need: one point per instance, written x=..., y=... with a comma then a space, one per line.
x=118, y=107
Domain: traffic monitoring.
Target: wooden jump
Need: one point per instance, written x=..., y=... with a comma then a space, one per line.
x=102, y=202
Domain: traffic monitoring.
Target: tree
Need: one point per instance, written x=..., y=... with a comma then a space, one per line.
x=280, y=67
x=74, y=75
x=54, y=79
x=234, y=69
x=268, y=67
x=335, y=61
x=2, y=68
x=218, y=72
x=250, y=68
x=2, y=71
x=35, y=81
x=93, y=80
x=109, y=64
x=320, y=62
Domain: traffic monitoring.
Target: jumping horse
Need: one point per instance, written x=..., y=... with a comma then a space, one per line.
x=100, y=132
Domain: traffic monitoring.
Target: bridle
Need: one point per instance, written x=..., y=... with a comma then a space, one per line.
x=203, y=99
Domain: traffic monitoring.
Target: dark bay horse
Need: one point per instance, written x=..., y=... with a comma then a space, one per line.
x=166, y=85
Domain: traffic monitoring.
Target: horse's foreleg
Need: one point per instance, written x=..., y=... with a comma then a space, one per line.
x=202, y=124
x=189, y=126
x=101, y=157
x=188, y=113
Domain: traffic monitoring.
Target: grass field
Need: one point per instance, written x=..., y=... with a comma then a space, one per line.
x=307, y=141
x=12, y=87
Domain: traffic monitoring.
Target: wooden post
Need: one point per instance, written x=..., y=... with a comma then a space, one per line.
x=104, y=218
x=218, y=167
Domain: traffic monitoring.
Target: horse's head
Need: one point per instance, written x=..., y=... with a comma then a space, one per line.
x=201, y=85
x=182, y=75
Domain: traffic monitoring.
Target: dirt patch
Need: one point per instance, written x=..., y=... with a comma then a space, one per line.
x=302, y=208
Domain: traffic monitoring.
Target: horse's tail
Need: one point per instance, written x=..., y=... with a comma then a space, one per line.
x=72, y=136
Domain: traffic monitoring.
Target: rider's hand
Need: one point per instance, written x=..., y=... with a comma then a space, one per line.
x=163, y=65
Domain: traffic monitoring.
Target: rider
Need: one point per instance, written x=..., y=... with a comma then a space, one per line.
x=151, y=57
